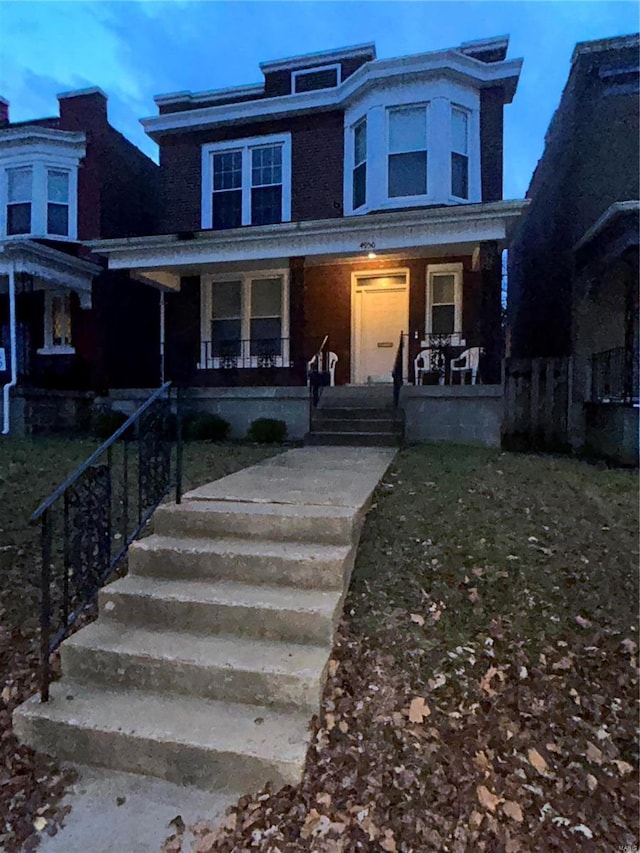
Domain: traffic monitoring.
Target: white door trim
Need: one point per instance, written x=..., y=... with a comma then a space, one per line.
x=356, y=312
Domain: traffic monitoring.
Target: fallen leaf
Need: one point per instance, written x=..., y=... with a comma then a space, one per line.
x=475, y=819
x=39, y=824
x=418, y=710
x=333, y=667
x=389, y=842
x=537, y=761
x=324, y=799
x=486, y=799
x=623, y=767
x=417, y=618
x=629, y=646
x=344, y=728
x=582, y=622
x=512, y=810
x=593, y=753
x=330, y=721
x=592, y=782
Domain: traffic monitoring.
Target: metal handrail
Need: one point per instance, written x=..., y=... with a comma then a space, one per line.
x=317, y=361
x=83, y=505
x=397, y=371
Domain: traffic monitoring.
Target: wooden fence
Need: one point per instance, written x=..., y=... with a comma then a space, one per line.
x=536, y=403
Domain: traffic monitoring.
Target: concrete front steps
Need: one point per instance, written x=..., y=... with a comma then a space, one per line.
x=356, y=416
x=208, y=660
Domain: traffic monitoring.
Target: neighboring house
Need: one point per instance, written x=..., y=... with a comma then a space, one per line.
x=573, y=263
x=65, y=322
x=344, y=196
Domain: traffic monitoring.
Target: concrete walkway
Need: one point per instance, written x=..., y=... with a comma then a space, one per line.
x=208, y=660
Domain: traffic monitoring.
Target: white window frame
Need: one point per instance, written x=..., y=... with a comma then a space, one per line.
x=361, y=121
x=246, y=360
x=406, y=200
x=39, y=196
x=457, y=270
x=245, y=146
x=50, y=348
x=467, y=114
x=303, y=72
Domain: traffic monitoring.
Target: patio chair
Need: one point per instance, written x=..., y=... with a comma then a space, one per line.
x=332, y=360
x=467, y=362
x=421, y=365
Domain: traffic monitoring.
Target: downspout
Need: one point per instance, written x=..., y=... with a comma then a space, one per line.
x=162, y=337
x=12, y=338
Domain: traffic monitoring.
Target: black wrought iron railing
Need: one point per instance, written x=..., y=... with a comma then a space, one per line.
x=261, y=353
x=91, y=519
x=397, y=372
x=318, y=372
x=614, y=378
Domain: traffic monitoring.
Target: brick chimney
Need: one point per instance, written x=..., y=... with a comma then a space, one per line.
x=83, y=109
x=4, y=112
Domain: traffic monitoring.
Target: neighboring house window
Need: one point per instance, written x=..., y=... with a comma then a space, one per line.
x=360, y=164
x=459, y=153
x=444, y=300
x=311, y=79
x=246, y=182
x=407, y=151
x=19, y=198
x=245, y=321
x=58, y=202
x=57, y=324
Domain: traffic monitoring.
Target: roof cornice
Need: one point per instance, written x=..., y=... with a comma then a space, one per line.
x=30, y=133
x=618, y=208
x=304, y=60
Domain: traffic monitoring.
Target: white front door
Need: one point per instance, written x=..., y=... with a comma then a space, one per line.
x=381, y=313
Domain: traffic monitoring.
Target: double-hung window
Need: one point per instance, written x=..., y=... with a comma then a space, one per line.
x=444, y=300
x=246, y=182
x=407, y=164
x=19, y=200
x=360, y=163
x=57, y=324
x=244, y=321
x=459, y=153
x=58, y=202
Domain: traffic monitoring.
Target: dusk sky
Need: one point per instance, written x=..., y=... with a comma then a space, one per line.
x=135, y=50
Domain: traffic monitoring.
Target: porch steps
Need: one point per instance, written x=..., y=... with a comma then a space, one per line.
x=358, y=416
x=208, y=659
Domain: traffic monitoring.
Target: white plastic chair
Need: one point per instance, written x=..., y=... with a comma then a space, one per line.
x=332, y=360
x=421, y=364
x=467, y=362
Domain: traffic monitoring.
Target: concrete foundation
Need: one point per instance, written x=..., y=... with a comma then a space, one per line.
x=464, y=414
x=611, y=432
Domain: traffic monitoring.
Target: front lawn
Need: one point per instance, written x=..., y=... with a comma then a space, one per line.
x=30, y=784
x=483, y=689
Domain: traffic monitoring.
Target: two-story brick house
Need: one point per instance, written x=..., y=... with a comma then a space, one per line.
x=67, y=323
x=344, y=196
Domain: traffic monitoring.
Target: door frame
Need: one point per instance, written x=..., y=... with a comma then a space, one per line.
x=356, y=312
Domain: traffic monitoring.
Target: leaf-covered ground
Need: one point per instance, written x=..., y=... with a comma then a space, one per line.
x=30, y=783
x=483, y=691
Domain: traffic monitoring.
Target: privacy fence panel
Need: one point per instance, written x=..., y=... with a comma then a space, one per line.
x=536, y=403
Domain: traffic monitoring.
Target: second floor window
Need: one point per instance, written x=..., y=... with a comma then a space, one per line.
x=360, y=164
x=19, y=197
x=407, y=151
x=249, y=183
x=459, y=153
x=57, y=202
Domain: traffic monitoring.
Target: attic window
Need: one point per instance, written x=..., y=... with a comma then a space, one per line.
x=311, y=79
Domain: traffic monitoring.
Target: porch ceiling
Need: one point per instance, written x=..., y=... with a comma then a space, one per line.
x=161, y=260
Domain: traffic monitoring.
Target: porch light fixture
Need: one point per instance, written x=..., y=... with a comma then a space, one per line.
x=372, y=255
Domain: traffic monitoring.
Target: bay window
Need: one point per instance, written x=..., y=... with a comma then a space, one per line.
x=459, y=153
x=58, y=202
x=245, y=320
x=246, y=182
x=360, y=164
x=407, y=163
x=19, y=200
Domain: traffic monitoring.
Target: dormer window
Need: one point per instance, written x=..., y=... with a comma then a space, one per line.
x=19, y=197
x=311, y=79
x=246, y=182
x=407, y=151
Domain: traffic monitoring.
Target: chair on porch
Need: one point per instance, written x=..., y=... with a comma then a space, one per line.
x=331, y=361
x=421, y=365
x=467, y=362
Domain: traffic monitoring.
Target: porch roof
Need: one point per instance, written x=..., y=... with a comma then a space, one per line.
x=49, y=267
x=162, y=259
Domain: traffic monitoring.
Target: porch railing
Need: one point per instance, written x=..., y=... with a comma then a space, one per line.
x=89, y=521
x=261, y=353
x=612, y=378
x=397, y=371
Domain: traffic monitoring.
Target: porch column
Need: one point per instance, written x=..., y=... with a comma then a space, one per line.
x=631, y=326
x=491, y=311
x=297, y=319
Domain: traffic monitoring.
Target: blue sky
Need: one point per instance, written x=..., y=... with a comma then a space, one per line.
x=135, y=50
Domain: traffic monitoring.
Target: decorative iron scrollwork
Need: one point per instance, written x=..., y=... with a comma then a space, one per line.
x=88, y=531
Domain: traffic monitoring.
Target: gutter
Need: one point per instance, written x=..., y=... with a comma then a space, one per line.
x=12, y=335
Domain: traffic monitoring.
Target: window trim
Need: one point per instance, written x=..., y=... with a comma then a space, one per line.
x=401, y=200
x=50, y=348
x=361, y=121
x=40, y=166
x=303, y=72
x=245, y=146
x=467, y=114
x=457, y=270
x=206, y=305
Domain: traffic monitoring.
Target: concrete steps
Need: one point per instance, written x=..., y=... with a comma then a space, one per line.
x=207, y=660
x=359, y=416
